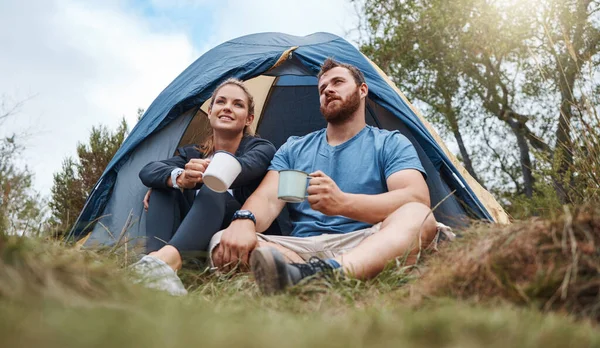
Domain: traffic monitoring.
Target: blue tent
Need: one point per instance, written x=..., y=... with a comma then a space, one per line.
x=281, y=72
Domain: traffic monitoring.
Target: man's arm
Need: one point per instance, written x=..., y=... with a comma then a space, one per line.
x=263, y=203
x=239, y=239
x=404, y=186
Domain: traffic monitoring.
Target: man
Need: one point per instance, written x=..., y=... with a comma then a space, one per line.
x=367, y=203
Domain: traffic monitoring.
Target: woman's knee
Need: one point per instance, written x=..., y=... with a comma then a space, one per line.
x=159, y=197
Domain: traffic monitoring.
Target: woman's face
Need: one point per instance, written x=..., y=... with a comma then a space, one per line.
x=229, y=111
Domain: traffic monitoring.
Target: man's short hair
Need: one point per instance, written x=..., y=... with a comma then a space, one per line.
x=330, y=63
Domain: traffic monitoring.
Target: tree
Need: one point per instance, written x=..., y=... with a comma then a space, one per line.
x=20, y=209
x=502, y=72
x=77, y=177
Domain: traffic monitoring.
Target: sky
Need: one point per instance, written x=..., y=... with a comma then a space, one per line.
x=77, y=64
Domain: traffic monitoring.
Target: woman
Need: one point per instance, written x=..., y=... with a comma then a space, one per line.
x=182, y=214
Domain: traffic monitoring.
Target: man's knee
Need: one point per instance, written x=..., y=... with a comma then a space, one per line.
x=416, y=217
x=290, y=256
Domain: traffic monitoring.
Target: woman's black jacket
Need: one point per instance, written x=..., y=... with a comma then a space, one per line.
x=254, y=154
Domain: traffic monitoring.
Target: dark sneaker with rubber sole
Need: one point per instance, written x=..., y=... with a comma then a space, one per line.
x=273, y=274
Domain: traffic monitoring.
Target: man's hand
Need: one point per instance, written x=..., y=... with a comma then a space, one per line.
x=325, y=196
x=192, y=174
x=237, y=242
x=146, y=200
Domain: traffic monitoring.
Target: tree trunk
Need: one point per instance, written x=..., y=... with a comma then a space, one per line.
x=563, y=155
x=568, y=66
x=524, y=157
x=450, y=114
x=464, y=154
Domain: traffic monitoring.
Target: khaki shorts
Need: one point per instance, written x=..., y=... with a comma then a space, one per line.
x=325, y=246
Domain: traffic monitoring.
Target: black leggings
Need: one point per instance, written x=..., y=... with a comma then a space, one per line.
x=172, y=220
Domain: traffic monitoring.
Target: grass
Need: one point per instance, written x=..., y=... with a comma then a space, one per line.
x=160, y=321
x=55, y=296
x=552, y=265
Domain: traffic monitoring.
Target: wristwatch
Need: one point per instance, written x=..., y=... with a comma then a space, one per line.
x=243, y=214
x=174, y=174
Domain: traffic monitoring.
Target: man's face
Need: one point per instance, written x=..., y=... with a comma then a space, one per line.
x=339, y=95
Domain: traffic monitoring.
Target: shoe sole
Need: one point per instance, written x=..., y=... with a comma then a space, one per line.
x=270, y=274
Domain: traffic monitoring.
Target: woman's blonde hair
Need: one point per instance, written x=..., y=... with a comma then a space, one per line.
x=208, y=146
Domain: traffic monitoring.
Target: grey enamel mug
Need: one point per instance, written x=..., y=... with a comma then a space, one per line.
x=292, y=185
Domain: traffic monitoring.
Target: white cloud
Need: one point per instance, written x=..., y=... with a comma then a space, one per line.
x=234, y=18
x=87, y=64
x=92, y=62
x=133, y=63
x=170, y=4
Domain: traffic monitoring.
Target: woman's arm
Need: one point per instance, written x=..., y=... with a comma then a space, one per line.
x=255, y=160
x=156, y=174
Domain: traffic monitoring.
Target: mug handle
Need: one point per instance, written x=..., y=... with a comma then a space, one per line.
x=308, y=177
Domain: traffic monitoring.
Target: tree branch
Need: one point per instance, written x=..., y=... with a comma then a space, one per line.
x=6, y=111
x=502, y=161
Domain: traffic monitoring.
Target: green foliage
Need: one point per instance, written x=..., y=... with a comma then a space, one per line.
x=20, y=206
x=582, y=178
x=20, y=209
x=544, y=201
x=585, y=151
x=77, y=177
x=140, y=113
x=510, y=76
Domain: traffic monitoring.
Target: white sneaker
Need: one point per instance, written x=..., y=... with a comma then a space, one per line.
x=156, y=274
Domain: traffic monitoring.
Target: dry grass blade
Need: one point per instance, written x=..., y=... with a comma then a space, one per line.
x=525, y=264
x=32, y=269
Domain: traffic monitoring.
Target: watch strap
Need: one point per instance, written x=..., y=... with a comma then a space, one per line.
x=244, y=214
x=174, y=174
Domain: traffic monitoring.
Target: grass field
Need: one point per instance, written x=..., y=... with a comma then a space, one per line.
x=55, y=296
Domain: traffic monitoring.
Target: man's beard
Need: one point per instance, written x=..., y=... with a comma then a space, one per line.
x=343, y=112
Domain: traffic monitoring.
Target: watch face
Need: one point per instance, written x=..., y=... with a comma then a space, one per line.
x=244, y=214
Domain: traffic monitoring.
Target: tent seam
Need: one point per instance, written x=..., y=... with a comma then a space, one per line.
x=281, y=46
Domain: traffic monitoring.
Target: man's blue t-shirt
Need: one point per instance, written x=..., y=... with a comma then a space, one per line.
x=360, y=165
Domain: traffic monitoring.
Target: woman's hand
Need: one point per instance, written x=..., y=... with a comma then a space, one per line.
x=237, y=242
x=192, y=173
x=146, y=200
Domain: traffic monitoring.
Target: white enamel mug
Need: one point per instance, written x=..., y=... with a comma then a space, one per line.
x=222, y=171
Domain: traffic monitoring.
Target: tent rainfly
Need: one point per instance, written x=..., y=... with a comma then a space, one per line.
x=280, y=71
